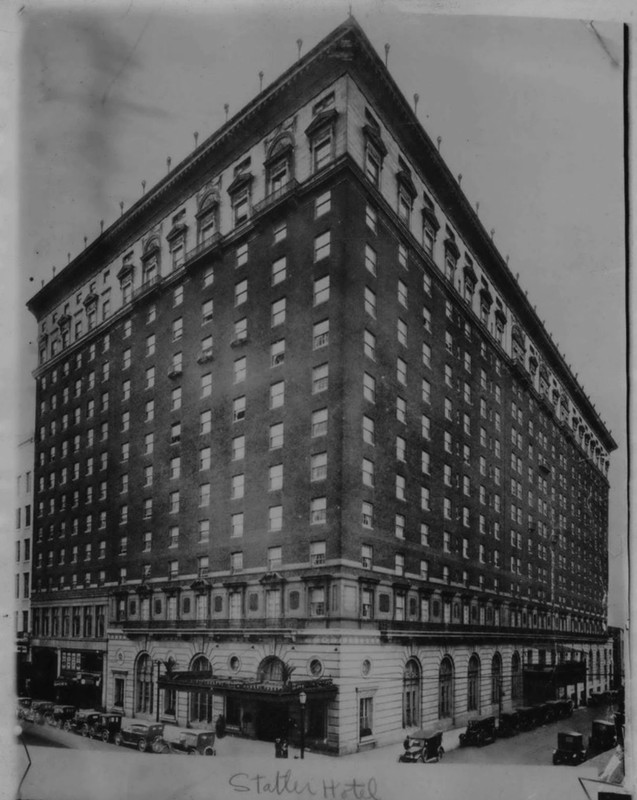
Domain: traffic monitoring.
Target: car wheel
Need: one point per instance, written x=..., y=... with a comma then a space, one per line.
x=556, y=760
x=193, y=751
x=141, y=745
x=118, y=739
x=105, y=736
x=208, y=751
x=441, y=752
x=84, y=730
x=67, y=726
x=402, y=759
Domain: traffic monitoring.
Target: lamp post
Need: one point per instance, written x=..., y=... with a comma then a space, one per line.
x=157, y=703
x=302, y=701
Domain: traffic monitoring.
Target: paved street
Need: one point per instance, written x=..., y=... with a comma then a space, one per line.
x=69, y=767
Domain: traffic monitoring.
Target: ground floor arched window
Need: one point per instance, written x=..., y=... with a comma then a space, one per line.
x=473, y=684
x=445, y=688
x=496, y=678
x=144, y=685
x=411, y=694
x=201, y=702
x=516, y=677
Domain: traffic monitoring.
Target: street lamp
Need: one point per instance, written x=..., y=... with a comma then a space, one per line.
x=302, y=701
x=157, y=703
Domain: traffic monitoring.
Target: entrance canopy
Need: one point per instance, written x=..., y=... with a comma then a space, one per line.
x=190, y=681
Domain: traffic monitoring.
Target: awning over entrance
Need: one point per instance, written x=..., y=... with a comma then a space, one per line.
x=320, y=688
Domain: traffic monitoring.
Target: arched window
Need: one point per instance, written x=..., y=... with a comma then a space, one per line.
x=411, y=694
x=271, y=670
x=496, y=678
x=598, y=674
x=144, y=685
x=201, y=702
x=473, y=684
x=516, y=676
x=445, y=688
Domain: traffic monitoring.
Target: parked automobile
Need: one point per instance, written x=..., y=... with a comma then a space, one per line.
x=185, y=740
x=105, y=727
x=422, y=747
x=41, y=709
x=570, y=748
x=138, y=733
x=597, y=699
x=82, y=721
x=603, y=737
x=59, y=715
x=479, y=732
x=526, y=718
x=508, y=724
x=543, y=713
x=24, y=703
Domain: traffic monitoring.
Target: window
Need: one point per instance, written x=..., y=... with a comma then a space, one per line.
x=401, y=410
x=277, y=353
x=399, y=526
x=275, y=558
x=319, y=378
x=275, y=477
x=371, y=218
x=238, y=447
x=241, y=292
x=236, y=562
x=401, y=332
x=276, y=436
x=400, y=448
x=175, y=399
x=317, y=553
x=278, y=270
x=173, y=505
x=318, y=511
x=205, y=421
x=402, y=294
x=236, y=525
x=373, y=163
x=369, y=344
x=321, y=290
x=275, y=518
x=321, y=148
x=177, y=329
x=280, y=232
x=322, y=245
x=238, y=409
x=368, y=430
x=319, y=422
x=278, y=312
x=277, y=394
x=237, y=487
x=401, y=371
x=175, y=433
x=206, y=311
x=370, y=259
x=369, y=387
x=370, y=302
x=424, y=498
x=399, y=564
x=426, y=391
x=239, y=370
x=368, y=472
x=204, y=530
x=149, y=411
x=320, y=334
x=317, y=602
x=367, y=515
x=365, y=717
x=318, y=467
x=322, y=204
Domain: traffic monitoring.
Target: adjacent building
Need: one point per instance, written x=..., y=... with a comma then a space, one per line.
x=22, y=571
x=300, y=433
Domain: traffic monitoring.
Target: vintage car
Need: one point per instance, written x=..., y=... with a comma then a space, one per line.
x=570, y=748
x=82, y=721
x=59, y=714
x=479, y=732
x=597, y=699
x=185, y=740
x=422, y=747
x=527, y=717
x=603, y=737
x=508, y=724
x=24, y=703
x=105, y=727
x=139, y=734
x=40, y=709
